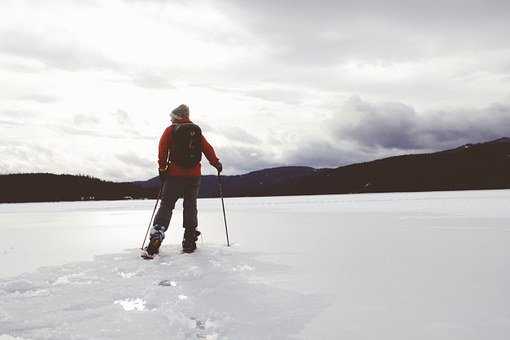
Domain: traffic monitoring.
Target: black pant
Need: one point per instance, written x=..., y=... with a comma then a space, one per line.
x=174, y=188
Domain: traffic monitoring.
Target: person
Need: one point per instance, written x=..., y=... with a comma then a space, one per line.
x=179, y=154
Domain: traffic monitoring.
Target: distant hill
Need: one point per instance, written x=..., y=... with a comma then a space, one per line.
x=255, y=183
x=469, y=167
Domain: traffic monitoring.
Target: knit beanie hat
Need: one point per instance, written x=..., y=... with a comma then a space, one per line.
x=180, y=112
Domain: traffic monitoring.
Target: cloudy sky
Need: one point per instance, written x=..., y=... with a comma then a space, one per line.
x=86, y=86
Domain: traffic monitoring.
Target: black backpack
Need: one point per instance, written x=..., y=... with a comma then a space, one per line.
x=186, y=150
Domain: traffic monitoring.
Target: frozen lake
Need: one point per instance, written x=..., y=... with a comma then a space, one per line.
x=368, y=266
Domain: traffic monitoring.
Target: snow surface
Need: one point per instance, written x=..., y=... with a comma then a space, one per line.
x=206, y=295
x=370, y=266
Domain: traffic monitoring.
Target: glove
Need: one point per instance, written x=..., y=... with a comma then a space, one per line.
x=162, y=175
x=218, y=166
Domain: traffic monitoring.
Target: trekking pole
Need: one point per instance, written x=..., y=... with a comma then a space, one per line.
x=152, y=217
x=223, y=206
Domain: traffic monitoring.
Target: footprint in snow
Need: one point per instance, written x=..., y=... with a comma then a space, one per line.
x=203, y=326
x=167, y=283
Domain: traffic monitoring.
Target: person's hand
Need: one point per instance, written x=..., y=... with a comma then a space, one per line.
x=162, y=175
x=218, y=166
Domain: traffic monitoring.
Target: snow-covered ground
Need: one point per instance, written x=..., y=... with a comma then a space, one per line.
x=371, y=266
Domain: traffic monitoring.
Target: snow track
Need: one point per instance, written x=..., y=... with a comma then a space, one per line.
x=215, y=293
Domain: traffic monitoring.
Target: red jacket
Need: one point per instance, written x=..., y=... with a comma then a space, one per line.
x=165, y=143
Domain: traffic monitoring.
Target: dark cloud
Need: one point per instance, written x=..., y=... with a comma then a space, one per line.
x=389, y=125
x=399, y=126
x=363, y=131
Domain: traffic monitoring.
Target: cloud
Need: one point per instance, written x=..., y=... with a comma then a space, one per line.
x=237, y=134
x=394, y=50
x=399, y=126
x=17, y=117
x=204, y=126
x=39, y=98
x=331, y=31
x=94, y=131
x=153, y=80
x=279, y=95
x=117, y=125
x=64, y=54
x=132, y=159
x=242, y=159
x=389, y=125
x=266, y=73
x=71, y=130
x=122, y=117
x=18, y=113
x=84, y=119
x=323, y=154
x=10, y=123
x=24, y=157
x=362, y=131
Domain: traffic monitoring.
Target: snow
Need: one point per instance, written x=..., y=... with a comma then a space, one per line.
x=206, y=298
x=385, y=266
x=132, y=304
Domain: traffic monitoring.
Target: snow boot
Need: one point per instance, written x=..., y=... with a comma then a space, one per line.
x=152, y=249
x=189, y=243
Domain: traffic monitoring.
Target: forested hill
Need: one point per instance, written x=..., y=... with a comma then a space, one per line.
x=469, y=167
x=41, y=187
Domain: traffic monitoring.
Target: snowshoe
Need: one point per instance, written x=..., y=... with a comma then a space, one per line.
x=189, y=243
x=144, y=255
